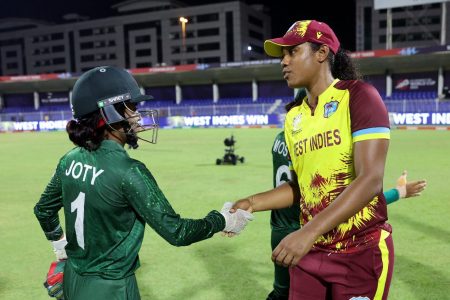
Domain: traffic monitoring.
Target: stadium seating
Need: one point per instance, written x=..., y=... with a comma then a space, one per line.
x=411, y=95
x=196, y=102
x=399, y=102
x=159, y=103
x=55, y=108
x=14, y=109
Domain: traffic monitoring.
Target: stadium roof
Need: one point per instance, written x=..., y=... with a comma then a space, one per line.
x=378, y=62
x=404, y=64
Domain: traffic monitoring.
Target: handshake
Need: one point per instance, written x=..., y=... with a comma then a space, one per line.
x=235, y=221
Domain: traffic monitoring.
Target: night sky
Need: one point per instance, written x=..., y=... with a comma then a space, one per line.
x=282, y=15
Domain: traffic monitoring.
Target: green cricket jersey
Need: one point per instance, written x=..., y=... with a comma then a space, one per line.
x=107, y=199
x=285, y=218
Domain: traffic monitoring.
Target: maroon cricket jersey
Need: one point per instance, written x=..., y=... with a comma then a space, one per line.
x=321, y=144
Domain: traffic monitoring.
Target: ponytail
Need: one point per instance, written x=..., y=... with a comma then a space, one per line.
x=86, y=132
x=341, y=64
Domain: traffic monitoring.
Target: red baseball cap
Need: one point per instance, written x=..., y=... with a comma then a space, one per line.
x=300, y=32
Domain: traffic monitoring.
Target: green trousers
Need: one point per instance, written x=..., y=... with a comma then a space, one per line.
x=78, y=287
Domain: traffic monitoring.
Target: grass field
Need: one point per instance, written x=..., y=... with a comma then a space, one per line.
x=183, y=163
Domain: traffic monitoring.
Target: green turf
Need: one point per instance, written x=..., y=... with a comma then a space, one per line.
x=183, y=163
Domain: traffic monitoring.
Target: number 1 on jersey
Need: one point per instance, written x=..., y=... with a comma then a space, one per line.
x=78, y=205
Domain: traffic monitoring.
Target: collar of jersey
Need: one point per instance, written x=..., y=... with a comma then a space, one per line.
x=112, y=145
x=322, y=95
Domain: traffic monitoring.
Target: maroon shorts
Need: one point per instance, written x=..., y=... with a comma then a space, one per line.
x=362, y=275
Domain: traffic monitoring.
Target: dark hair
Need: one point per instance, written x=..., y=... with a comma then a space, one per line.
x=298, y=99
x=85, y=132
x=341, y=64
x=292, y=104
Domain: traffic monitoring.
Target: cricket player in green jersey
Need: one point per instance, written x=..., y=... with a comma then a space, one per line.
x=108, y=197
x=286, y=220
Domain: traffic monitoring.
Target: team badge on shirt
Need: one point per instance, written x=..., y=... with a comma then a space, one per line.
x=296, y=124
x=330, y=108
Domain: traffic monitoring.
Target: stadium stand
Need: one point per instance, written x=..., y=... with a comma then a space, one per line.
x=255, y=89
x=413, y=95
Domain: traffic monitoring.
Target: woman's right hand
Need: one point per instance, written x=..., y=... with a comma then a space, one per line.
x=244, y=204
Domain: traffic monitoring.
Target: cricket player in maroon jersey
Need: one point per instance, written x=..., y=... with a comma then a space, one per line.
x=338, y=140
x=285, y=221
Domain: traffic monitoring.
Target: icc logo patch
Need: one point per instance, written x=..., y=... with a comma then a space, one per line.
x=330, y=108
x=296, y=124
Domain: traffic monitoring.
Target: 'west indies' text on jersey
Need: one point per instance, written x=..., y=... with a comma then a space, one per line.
x=320, y=144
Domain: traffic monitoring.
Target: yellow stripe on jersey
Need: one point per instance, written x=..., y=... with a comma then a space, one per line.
x=385, y=260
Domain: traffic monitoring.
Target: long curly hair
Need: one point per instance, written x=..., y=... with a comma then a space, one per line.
x=341, y=64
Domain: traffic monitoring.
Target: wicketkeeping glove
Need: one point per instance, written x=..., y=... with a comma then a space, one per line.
x=235, y=222
x=59, y=247
x=54, y=281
